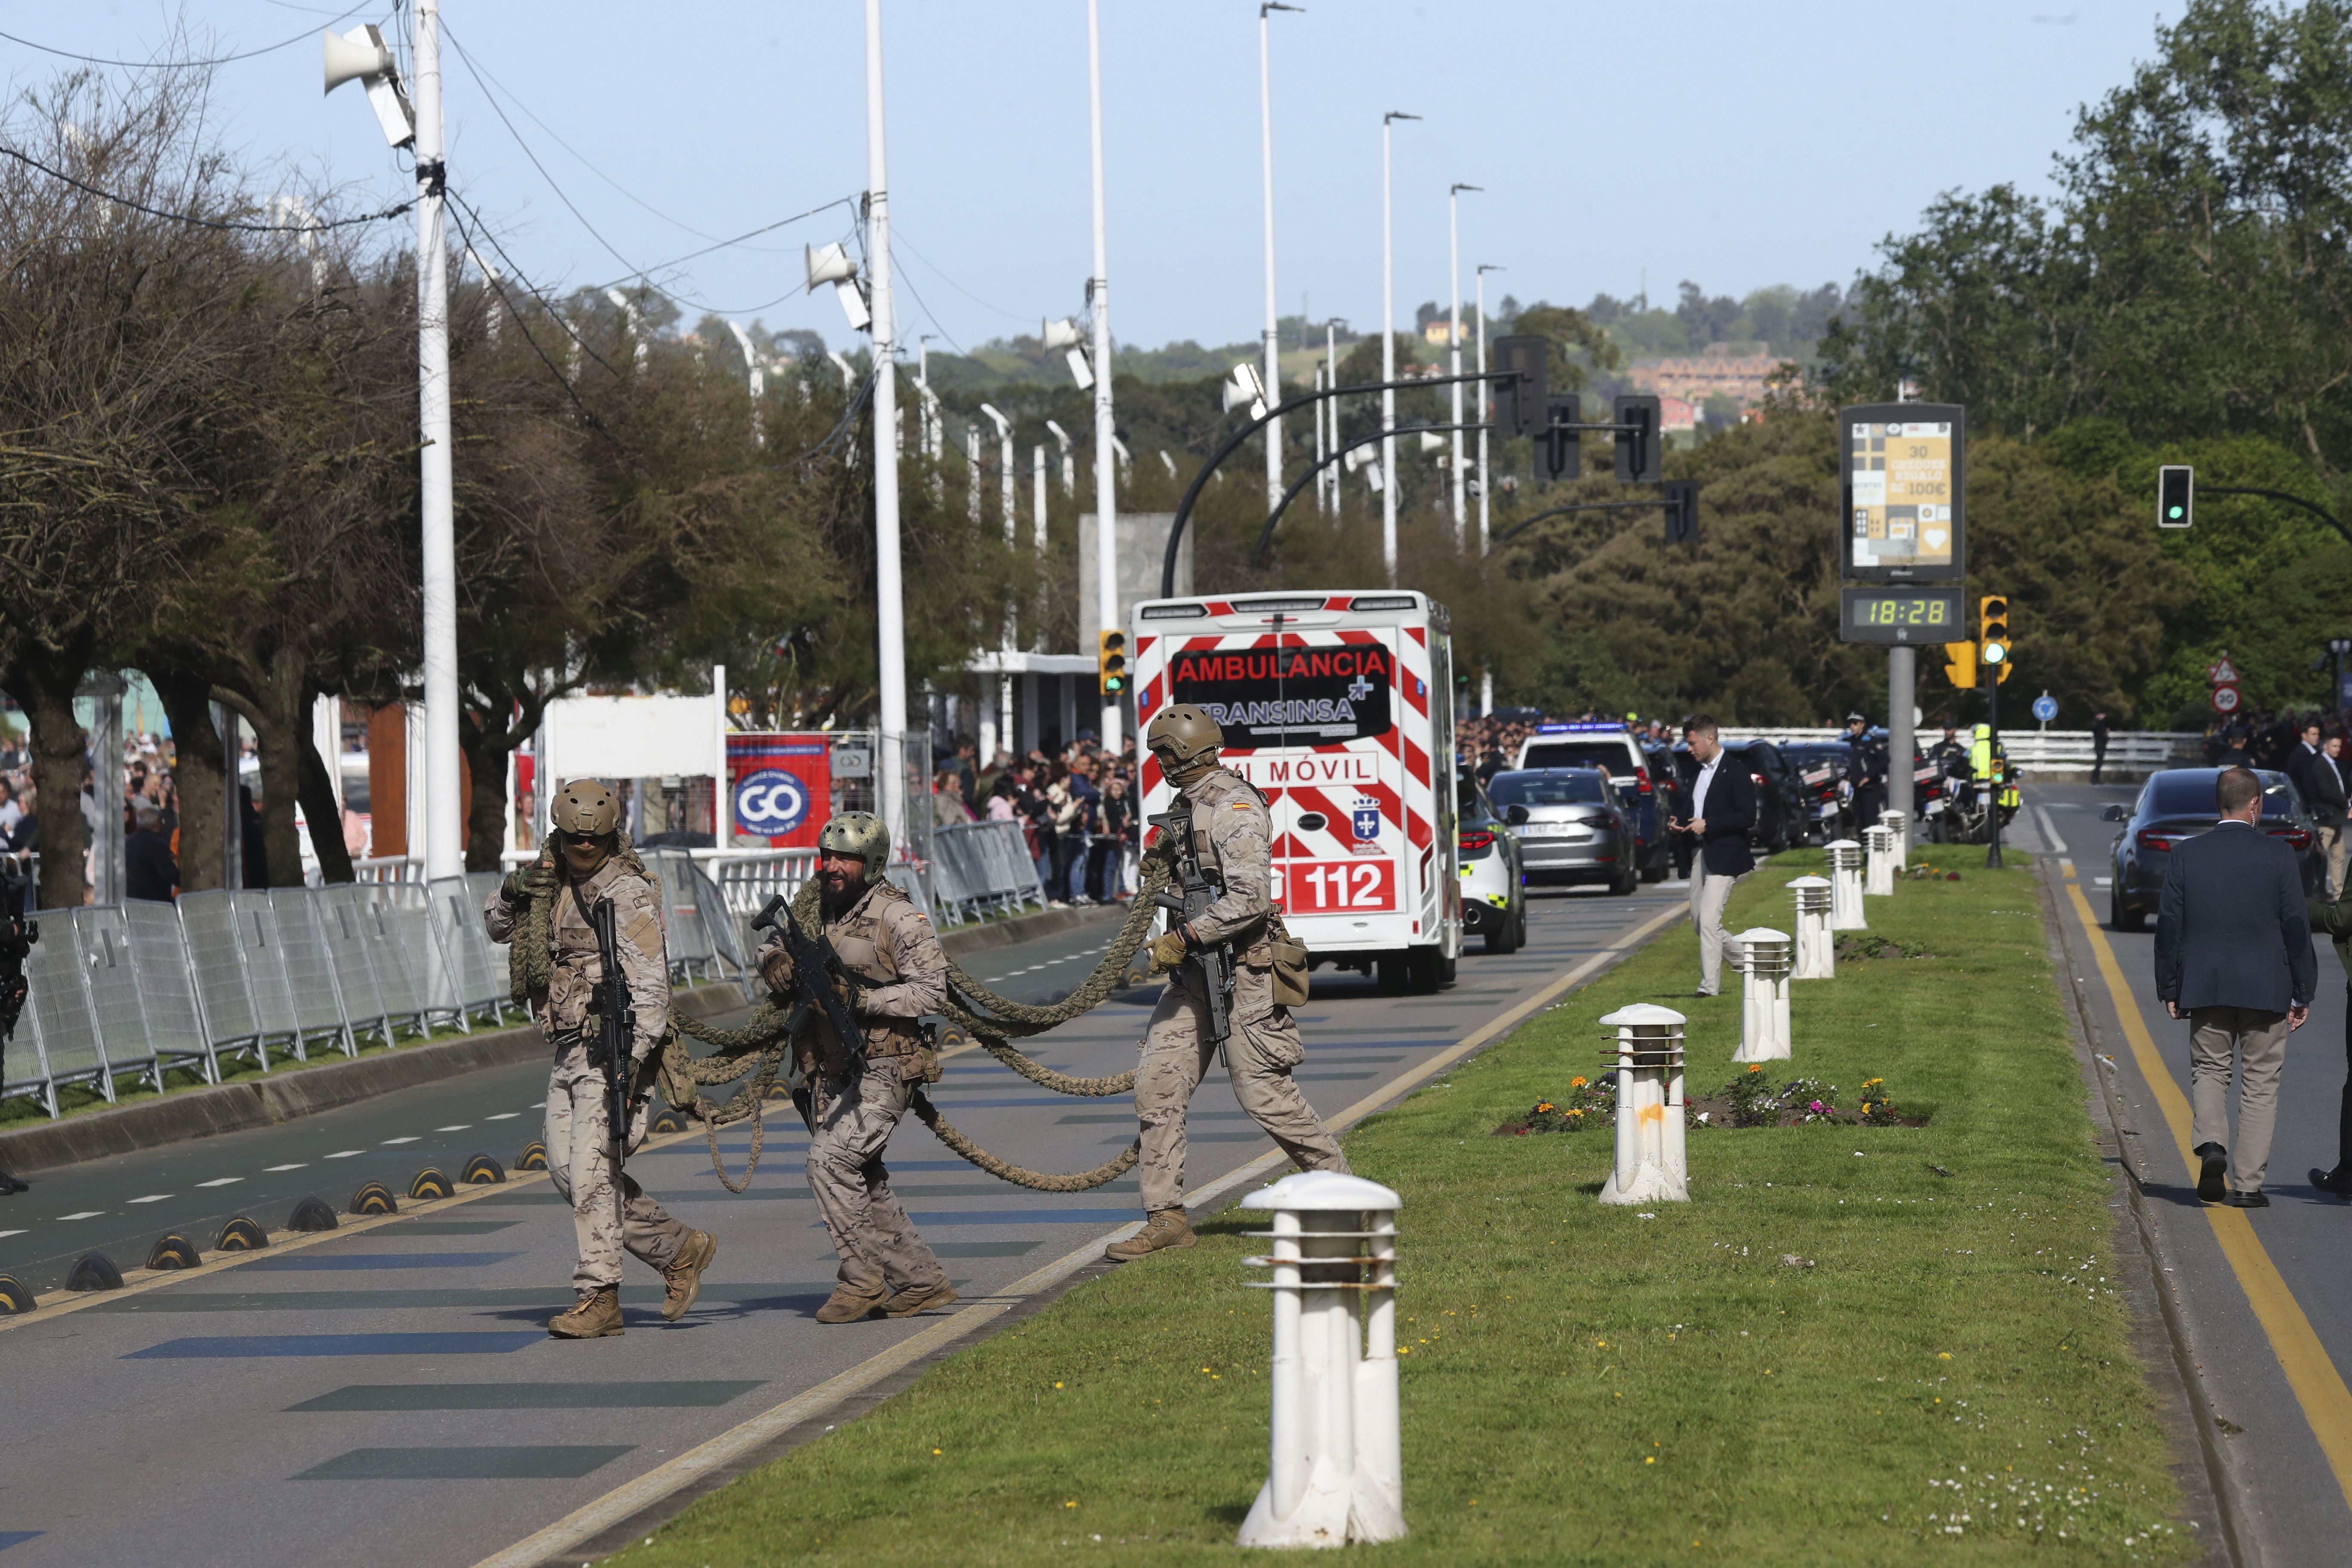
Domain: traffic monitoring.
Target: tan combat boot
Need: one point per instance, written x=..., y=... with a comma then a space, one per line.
x=846, y=1306
x=594, y=1317
x=1166, y=1227
x=684, y=1277
x=920, y=1299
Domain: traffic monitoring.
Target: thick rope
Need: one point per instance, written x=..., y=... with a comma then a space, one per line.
x=988, y=1019
x=1004, y=1170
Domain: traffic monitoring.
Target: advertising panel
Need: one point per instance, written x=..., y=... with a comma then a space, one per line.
x=778, y=789
x=1903, y=483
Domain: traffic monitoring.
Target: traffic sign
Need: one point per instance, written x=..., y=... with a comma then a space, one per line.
x=2223, y=674
x=2045, y=707
x=2225, y=701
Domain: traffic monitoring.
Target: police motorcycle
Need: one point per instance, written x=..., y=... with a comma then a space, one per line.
x=1962, y=814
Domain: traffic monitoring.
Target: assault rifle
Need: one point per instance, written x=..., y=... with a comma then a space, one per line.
x=1192, y=888
x=616, y=1034
x=814, y=967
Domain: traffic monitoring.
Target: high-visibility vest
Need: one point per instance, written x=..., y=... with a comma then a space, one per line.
x=1981, y=760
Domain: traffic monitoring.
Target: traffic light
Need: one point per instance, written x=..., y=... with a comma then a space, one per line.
x=1682, y=512
x=1637, y=448
x=1559, y=453
x=1520, y=398
x=1961, y=665
x=1992, y=635
x=1111, y=662
x=2176, y=496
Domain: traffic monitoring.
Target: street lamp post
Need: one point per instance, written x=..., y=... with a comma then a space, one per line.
x=1486, y=478
x=890, y=623
x=1388, y=351
x=1454, y=341
x=1106, y=437
x=1273, y=339
x=444, y=813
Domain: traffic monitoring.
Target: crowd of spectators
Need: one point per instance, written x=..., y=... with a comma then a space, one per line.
x=150, y=822
x=1490, y=744
x=1077, y=812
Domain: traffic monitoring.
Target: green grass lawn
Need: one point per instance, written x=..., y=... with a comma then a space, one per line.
x=1943, y=1373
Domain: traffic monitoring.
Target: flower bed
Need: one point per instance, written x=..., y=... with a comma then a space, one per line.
x=1750, y=1099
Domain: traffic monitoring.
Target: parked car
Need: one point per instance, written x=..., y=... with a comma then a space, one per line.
x=2178, y=805
x=1611, y=747
x=1494, y=885
x=1572, y=824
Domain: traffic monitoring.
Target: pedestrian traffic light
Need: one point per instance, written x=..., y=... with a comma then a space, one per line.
x=1520, y=395
x=1961, y=665
x=1682, y=512
x=1638, y=443
x=1992, y=635
x=2176, y=495
x=1111, y=663
x=1559, y=451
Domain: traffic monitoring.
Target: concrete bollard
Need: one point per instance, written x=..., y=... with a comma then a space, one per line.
x=1900, y=824
x=1336, y=1469
x=1766, y=959
x=1878, y=861
x=1816, y=957
x=1651, y=1166
x=1845, y=886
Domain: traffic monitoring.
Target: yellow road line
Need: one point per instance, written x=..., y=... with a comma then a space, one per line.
x=2310, y=1371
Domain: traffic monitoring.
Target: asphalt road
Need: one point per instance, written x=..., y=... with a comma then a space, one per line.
x=2264, y=1295
x=408, y=1367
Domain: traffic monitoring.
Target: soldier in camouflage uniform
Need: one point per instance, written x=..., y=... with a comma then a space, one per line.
x=595, y=866
x=1233, y=835
x=900, y=975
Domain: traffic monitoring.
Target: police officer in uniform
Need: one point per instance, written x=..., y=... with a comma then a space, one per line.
x=1233, y=838
x=1867, y=770
x=899, y=975
x=593, y=866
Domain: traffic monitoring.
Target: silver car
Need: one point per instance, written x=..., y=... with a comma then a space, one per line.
x=1571, y=824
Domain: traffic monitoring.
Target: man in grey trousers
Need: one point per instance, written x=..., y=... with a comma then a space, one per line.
x=2234, y=957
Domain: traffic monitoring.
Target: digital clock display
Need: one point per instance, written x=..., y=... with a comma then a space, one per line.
x=1900, y=615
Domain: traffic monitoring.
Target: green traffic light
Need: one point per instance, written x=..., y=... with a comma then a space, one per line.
x=1994, y=653
x=2175, y=511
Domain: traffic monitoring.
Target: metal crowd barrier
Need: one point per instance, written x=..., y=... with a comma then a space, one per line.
x=982, y=869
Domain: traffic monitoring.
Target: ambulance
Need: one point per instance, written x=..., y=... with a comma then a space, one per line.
x=1339, y=708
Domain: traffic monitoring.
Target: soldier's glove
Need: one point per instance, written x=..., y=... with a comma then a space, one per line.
x=776, y=969
x=847, y=989
x=535, y=880
x=1167, y=953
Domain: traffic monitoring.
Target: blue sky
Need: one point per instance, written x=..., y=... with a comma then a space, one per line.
x=1735, y=144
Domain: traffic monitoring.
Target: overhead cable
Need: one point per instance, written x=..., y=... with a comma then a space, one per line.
x=308, y=226
x=179, y=65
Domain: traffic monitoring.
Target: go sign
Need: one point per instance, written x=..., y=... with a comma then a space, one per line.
x=771, y=803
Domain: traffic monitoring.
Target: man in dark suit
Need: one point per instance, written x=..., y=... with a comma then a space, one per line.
x=2234, y=957
x=1723, y=812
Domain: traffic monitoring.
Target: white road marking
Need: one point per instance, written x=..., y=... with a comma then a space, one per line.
x=345, y=1153
x=539, y=1105
x=453, y=1127
x=221, y=1181
x=503, y=1116
x=152, y=1199
x=4, y=1234
x=389, y=1142
x=2102, y=881
x=295, y=1166
x=86, y=1214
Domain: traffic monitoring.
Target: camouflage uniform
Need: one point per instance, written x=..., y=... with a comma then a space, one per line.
x=884, y=941
x=1232, y=833
x=579, y=1143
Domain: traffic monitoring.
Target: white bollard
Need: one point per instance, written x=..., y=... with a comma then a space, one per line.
x=1845, y=886
x=1651, y=1166
x=1816, y=950
x=1766, y=959
x=1878, y=857
x=1899, y=822
x=1337, y=1471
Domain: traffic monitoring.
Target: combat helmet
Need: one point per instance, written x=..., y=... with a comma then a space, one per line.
x=1186, y=740
x=588, y=816
x=858, y=833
